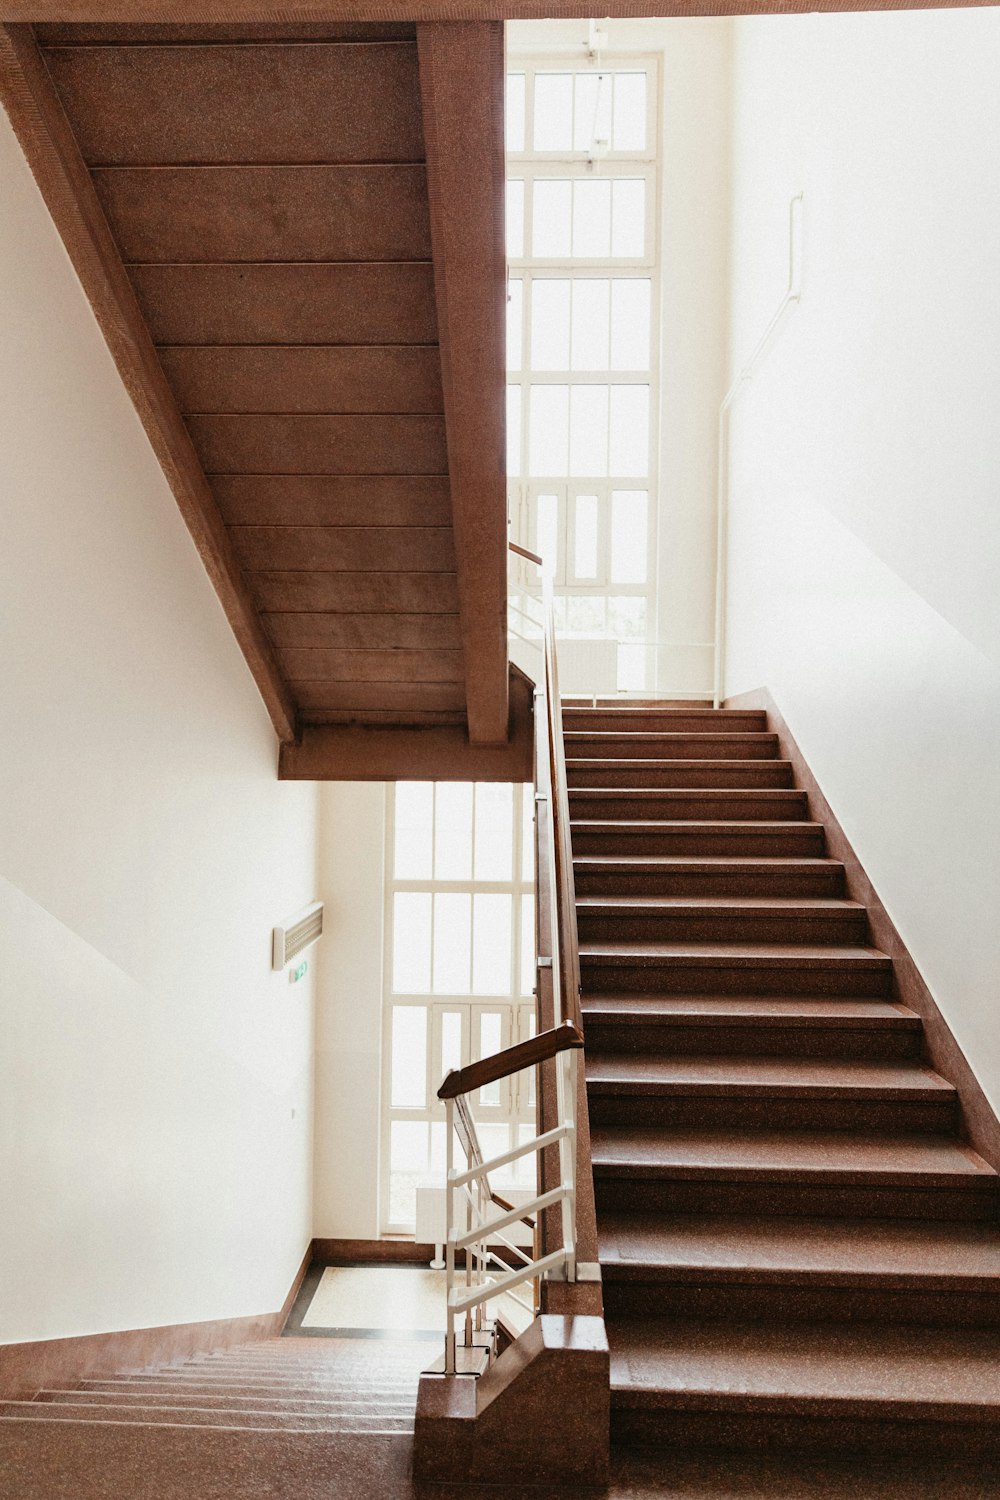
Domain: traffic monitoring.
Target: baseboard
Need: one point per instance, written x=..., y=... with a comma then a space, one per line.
x=942, y=1051
x=372, y=1252
x=31, y=1367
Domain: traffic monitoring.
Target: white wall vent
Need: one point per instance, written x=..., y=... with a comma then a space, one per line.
x=297, y=934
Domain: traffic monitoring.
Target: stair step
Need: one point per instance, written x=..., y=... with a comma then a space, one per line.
x=760, y=1173
x=776, y=919
x=289, y=1420
x=593, y=744
x=613, y=838
x=799, y=1025
x=876, y=1388
x=230, y=1385
x=738, y=804
x=584, y=771
x=318, y=1405
x=734, y=968
x=700, y=876
x=675, y=720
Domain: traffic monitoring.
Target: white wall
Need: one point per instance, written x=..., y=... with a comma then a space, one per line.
x=155, y=1077
x=866, y=457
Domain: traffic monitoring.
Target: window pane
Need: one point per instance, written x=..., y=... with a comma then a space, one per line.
x=547, y=531
x=409, y=1056
x=490, y=1042
x=411, y=943
x=548, y=442
x=628, y=234
x=553, y=111
x=452, y=922
x=630, y=112
x=629, y=512
x=590, y=325
x=592, y=118
x=632, y=668
x=585, y=537
x=453, y=830
x=588, y=440
x=414, y=818
x=495, y=1139
x=515, y=218
x=515, y=292
x=527, y=965
x=551, y=203
x=528, y=833
x=515, y=112
x=494, y=831
x=629, y=448
x=550, y=325
x=408, y=1164
x=592, y=218
x=524, y=1171
x=451, y=1041
x=630, y=303
x=491, y=966
x=585, y=615
x=513, y=430
x=627, y=617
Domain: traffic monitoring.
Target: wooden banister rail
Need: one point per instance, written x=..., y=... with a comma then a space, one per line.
x=531, y=557
x=537, y=1049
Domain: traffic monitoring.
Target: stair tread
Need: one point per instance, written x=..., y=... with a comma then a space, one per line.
x=789, y=1154
x=802, y=1010
x=690, y=825
x=806, y=1076
x=692, y=793
x=713, y=904
x=790, y=954
x=638, y=864
x=675, y=762
x=911, y=1369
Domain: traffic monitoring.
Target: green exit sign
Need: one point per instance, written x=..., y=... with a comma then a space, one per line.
x=294, y=975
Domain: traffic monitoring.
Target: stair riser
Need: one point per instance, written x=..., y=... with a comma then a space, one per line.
x=774, y=806
x=684, y=1430
x=719, y=1112
x=828, y=929
x=698, y=884
x=742, y=840
x=662, y=774
x=677, y=978
x=665, y=721
x=158, y=1417
x=715, y=1196
x=749, y=1040
x=753, y=1302
x=287, y=1391
x=308, y=1405
x=622, y=746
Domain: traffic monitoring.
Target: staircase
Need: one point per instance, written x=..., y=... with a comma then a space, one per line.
x=798, y=1248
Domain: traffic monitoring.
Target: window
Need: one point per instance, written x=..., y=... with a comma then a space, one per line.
x=583, y=298
x=459, y=973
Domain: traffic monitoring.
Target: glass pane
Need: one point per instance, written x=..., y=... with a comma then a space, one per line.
x=528, y=1028
x=409, y=1057
x=628, y=233
x=515, y=218
x=627, y=617
x=630, y=325
x=452, y=941
x=551, y=204
x=439, y=1153
x=408, y=1165
x=524, y=1172
x=453, y=831
x=588, y=431
x=548, y=430
x=494, y=831
x=630, y=112
x=491, y=962
x=527, y=965
x=590, y=325
x=547, y=531
x=451, y=1041
x=515, y=297
x=629, y=513
x=411, y=943
x=550, y=325
x=515, y=112
x=585, y=537
x=592, y=116
x=629, y=448
x=528, y=833
x=632, y=668
x=592, y=218
x=495, y=1139
x=414, y=819
x=585, y=615
x=490, y=1042
x=553, y=111
x=513, y=430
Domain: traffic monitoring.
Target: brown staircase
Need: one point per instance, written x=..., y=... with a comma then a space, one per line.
x=798, y=1247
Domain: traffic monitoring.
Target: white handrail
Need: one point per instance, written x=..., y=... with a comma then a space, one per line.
x=793, y=293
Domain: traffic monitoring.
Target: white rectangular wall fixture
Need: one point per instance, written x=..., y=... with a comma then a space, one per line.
x=296, y=935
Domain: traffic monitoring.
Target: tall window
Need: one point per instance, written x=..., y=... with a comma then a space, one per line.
x=582, y=306
x=460, y=972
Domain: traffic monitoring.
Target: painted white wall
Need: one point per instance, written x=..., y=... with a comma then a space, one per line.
x=865, y=543
x=349, y=1010
x=155, y=1077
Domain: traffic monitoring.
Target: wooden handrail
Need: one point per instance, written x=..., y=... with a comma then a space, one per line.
x=523, y=552
x=537, y=1049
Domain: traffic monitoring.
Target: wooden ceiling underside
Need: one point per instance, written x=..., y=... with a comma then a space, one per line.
x=292, y=237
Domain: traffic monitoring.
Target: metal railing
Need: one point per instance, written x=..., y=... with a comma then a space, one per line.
x=479, y=1221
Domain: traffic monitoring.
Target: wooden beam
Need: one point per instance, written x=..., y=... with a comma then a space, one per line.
x=461, y=85
x=353, y=752
x=41, y=126
x=291, y=12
